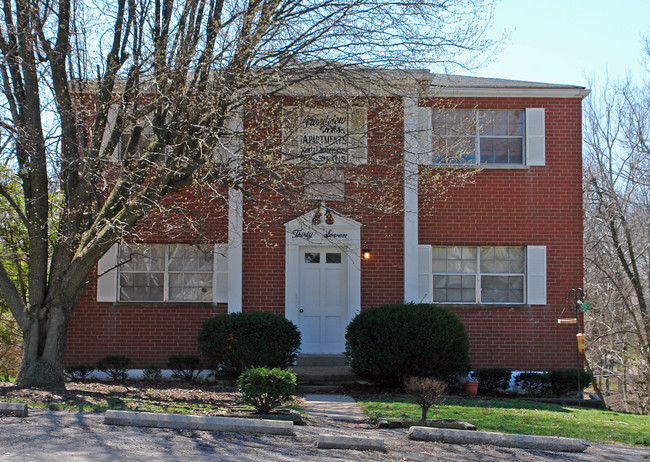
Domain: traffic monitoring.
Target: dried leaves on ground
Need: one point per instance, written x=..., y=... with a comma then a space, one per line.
x=159, y=396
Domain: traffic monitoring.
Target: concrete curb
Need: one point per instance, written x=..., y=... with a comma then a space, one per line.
x=349, y=442
x=435, y=423
x=196, y=422
x=547, y=443
x=17, y=409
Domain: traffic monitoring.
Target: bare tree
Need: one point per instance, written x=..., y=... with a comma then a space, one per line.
x=617, y=241
x=117, y=105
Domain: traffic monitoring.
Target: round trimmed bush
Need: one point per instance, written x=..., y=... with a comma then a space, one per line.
x=265, y=389
x=233, y=343
x=390, y=343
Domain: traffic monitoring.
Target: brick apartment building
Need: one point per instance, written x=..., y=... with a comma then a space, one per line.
x=501, y=251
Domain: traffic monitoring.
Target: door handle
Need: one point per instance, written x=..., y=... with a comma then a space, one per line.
x=301, y=310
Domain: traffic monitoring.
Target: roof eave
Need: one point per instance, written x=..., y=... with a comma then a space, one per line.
x=482, y=92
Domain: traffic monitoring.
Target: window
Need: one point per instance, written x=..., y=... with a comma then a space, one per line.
x=478, y=137
x=325, y=135
x=159, y=273
x=479, y=274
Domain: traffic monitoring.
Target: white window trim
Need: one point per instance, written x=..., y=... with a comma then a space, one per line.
x=534, y=276
x=108, y=280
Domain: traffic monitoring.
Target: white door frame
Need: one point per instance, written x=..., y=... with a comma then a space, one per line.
x=343, y=233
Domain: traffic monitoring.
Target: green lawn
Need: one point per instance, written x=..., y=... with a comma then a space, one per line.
x=519, y=416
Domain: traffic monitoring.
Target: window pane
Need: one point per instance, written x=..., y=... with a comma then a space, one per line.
x=190, y=286
x=332, y=258
x=454, y=295
x=439, y=253
x=486, y=122
x=141, y=286
x=142, y=257
x=502, y=259
x=454, y=288
x=189, y=258
x=312, y=257
x=515, y=151
x=516, y=123
x=502, y=289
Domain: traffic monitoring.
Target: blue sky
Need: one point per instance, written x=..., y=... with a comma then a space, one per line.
x=569, y=41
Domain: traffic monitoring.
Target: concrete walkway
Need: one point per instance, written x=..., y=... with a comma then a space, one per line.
x=333, y=410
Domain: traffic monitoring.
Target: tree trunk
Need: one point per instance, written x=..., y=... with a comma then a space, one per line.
x=43, y=350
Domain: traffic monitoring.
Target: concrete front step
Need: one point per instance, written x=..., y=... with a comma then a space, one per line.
x=325, y=370
x=332, y=375
x=321, y=360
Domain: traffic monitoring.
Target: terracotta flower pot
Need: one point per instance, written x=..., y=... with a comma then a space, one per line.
x=470, y=388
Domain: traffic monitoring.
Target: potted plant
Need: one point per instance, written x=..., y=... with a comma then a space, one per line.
x=470, y=387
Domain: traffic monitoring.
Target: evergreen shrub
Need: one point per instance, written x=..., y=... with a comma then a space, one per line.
x=533, y=383
x=265, y=389
x=78, y=372
x=566, y=381
x=115, y=366
x=493, y=378
x=184, y=367
x=390, y=343
x=233, y=343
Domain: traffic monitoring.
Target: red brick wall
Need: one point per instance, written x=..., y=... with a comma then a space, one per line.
x=149, y=333
x=529, y=206
x=532, y=206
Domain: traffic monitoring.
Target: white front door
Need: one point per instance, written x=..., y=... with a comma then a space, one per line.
x=323, y=310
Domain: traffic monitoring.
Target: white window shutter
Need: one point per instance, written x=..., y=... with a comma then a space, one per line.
x=220, y=276
x=358, y=135
x=107, y=283
x=425, y=278
x=535, y=133
x=536, y=274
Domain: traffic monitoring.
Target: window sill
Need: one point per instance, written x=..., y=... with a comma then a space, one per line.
x=482, y=167
x=482, y=305
x=168, y=303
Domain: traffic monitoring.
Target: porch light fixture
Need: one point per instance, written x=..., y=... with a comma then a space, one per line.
x=365, y=254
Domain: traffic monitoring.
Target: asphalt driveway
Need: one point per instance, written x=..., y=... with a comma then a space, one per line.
x=48, y=435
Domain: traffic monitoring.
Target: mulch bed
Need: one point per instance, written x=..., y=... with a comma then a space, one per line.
x=129, y=395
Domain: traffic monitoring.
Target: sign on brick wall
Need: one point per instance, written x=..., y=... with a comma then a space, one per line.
x=324, y=135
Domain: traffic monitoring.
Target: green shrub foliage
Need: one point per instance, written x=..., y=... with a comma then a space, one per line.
x=152, y=373
x=236, y=342
x=393, y=342
x=493, y=378
x=533, y=383
x=265, y=389
x=566, y=381
x=115, y=366
x=184, y=367
x=78, y=372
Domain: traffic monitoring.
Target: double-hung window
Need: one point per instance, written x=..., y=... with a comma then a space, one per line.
x=480, y=137
x=479, y=274
x=165, y=272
